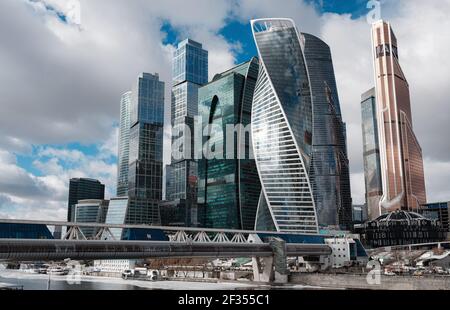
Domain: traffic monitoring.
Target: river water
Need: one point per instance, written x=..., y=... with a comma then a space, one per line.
x=31, y=281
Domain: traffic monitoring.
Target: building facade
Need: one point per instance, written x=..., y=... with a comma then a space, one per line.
x=438, y=211
x=400, y=228
x=402, y=174
x=282, y=129
x=145, y=174
x=229, y=187
x=124, y=144
x=91, y=211
x=117, y=214
x=329, y=171
x=80, y=189
x=371, y=154
x=190, y=72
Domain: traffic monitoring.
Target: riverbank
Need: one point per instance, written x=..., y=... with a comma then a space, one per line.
x=359, y=281
x=31, y=281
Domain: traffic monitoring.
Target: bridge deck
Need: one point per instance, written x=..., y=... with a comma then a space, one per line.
x=35, y=250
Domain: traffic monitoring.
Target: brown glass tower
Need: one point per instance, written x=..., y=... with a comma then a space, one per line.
x=403, y=182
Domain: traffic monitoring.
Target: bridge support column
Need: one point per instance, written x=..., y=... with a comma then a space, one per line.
x=280, y=260
x=262, y=269
x=274, y=268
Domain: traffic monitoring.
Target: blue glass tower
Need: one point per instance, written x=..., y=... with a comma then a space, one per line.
x=190, y=72
x=145, y=174
x=329, y=171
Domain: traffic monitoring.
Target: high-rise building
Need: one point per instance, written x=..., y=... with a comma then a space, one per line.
x=282, y=129
x=80, y=189
x=229, y=187
x=124, y=145
x=190, y=72
x=145, y=174
x=91, y=211
x=371, y=153
x=329, y=172
x=402, y=174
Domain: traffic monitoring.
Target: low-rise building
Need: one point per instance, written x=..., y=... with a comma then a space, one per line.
x=437, y=211
x=402, y=228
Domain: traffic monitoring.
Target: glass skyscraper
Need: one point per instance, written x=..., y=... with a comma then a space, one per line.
x=401, y=159
x=124, y=145
x=190, y=72
x=282, y=129
x=145, y=174
x=229, y=187
x=329, y=172
x=371, y=149
x=80, y=189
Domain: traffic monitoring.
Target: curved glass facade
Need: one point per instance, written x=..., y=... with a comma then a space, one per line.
x=282, y=126
x=229, y=187
x=329, y=171
x=91, y=211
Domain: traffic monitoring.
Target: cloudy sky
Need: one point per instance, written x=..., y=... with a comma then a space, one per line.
x=62, y=74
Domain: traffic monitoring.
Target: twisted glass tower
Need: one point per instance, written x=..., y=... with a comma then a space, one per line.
x=282, y=129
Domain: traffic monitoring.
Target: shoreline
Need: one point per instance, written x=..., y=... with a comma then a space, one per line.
x=172, y=284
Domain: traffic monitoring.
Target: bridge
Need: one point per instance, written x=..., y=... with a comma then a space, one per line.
x=52, y=250
x=269, y=250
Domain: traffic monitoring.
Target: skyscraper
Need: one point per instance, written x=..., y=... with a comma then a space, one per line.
x=403, y=182
x=371, y=149
x=124, y=145
x=80, y=189
x=145, y=175
x=229, y=187
x=190, y=72
x=282, y=129
x=329, y=172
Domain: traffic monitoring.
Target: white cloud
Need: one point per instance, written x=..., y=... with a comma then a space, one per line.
x=44, y=196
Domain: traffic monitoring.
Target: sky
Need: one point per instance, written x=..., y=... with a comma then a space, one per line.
x=62, y=75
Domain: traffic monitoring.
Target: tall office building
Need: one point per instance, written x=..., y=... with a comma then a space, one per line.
x=329, y=172
x=403, y=182
x=80, y=189
x=190, y=72
x=282, y=129
x=145, y=174
x=124, y=145
x=229, y=187
x=371, y=153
